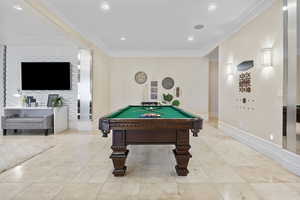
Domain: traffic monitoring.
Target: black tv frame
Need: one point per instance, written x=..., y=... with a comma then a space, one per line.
x=70, y=77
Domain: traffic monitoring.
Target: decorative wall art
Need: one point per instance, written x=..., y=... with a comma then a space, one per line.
x=154, y=83
x=168, y=99
x=141, y=77
x=153, y=96
x=245, y=82
x=245, y=99
x=154, y=90
x=245, y=66
x=245, y=77
x=177, y=92
x=168, y=83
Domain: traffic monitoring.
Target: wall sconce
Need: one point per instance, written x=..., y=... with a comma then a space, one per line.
x=267, y=57
x=230, y=71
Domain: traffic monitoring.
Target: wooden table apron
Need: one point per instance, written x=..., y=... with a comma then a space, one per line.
x=150, y=131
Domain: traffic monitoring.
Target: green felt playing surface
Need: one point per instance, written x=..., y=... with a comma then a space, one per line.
x=166, y=112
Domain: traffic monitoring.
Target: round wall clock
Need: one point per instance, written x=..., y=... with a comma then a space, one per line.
x=168, y=83
x=140, y=77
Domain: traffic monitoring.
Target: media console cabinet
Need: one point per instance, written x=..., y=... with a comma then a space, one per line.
x=59, y=117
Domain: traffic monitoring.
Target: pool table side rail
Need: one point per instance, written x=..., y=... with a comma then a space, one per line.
x=185, y=112
x=106, y=123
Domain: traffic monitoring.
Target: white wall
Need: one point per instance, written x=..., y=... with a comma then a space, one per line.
x=190, y=74
x=18, y=54
x=263, y=32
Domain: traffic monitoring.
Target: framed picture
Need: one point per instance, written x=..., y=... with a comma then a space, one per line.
x=153, y=96
x=178, y=92
x=51, y=98
x=154, y=90
x=154, y=83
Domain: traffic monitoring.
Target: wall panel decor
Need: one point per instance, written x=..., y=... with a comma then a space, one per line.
x=168, y=83
x=141, y=77
x=154, y=90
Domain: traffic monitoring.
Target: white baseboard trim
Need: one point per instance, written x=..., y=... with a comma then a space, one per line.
x=84, y=125
x=289, y=160
x=73, y=124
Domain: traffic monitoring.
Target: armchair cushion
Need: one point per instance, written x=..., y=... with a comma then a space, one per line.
x=25, y=120
x=33, y=122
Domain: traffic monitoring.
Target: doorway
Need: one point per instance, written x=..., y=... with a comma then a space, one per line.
x=84, y=102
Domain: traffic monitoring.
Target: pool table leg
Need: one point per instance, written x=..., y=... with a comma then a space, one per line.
x=119, y=154
x=182, y=153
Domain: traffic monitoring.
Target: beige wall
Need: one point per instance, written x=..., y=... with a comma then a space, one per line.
x=298, y=80
x=101, y=85
x=1, y=81
x=213, y=89
x=190, y=74
x=263, y=32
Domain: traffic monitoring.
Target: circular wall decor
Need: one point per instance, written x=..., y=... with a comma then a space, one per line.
x=140, y=77
x=168, y=83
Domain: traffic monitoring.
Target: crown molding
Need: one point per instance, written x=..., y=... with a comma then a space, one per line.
x=97, y=42
x=174, y=53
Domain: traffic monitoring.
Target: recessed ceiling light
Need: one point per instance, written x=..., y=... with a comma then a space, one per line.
x=190, y=38
x=284, y=8
x=212, y=7
x=18, y=7
x=105, y=6
x=198, y=26
x=123, y=38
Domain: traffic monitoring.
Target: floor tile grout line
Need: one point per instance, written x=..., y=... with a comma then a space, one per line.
x=30, y=158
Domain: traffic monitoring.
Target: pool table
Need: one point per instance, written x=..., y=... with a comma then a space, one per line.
x=131, y=127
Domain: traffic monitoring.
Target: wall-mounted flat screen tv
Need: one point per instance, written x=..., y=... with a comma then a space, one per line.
x=46, y=75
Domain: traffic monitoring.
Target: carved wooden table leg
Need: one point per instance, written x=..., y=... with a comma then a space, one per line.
x=120, y=153
x=182, y=153
x=118, y=157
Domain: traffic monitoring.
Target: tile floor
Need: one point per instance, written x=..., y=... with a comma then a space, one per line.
x=78, y=167
x=16, y=149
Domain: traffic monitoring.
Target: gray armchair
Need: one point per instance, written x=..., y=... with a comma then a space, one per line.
x=16, y=122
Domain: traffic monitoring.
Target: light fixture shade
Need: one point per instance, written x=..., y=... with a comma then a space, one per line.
x=267, y=57
x=17, y=95
x=105, y=6
x=190, y=38
x=18, y=7
x=230, y=70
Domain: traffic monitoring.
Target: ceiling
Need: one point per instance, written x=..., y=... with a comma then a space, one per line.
x=151, y=27
x=27, y=27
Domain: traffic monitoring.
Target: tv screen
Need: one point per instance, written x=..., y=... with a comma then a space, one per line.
x=46, y=75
